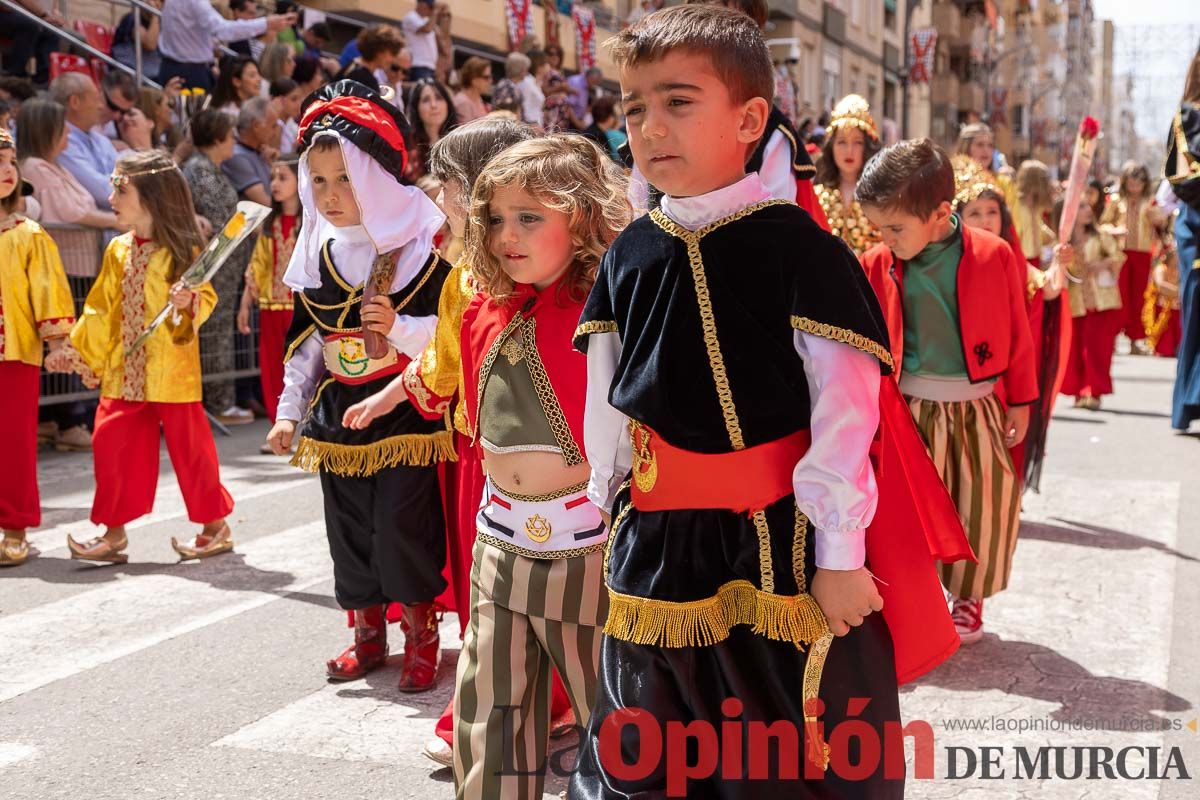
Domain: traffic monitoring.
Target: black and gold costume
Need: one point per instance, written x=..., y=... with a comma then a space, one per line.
x=381, y=478
x=709, y=603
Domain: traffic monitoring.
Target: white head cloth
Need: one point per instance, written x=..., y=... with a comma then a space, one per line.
x=393, y=216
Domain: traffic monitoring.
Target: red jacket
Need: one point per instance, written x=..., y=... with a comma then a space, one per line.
x=992, y=322
x=565, y=368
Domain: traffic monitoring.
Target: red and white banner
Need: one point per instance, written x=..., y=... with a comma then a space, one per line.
x=518, y=14
x=1037, y=132
x=585, y=36
x=922, y=46
x=999, y=101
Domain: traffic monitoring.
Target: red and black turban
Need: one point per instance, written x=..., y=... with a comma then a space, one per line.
x=362, y=117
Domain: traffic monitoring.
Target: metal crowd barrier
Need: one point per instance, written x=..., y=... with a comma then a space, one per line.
x=82, y=249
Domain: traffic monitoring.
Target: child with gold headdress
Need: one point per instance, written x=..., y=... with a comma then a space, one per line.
x=850, y=140
x=35, y=307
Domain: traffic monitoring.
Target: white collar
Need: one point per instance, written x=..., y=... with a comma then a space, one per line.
x=694, y=213
x=350, y=234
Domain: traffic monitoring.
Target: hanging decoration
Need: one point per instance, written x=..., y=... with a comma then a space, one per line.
x=585, y=36
x=999, y=101
x=518, y=14
x=923, y=45
x=551, y=24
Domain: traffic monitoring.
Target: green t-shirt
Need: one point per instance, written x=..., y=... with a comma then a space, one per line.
x=931, y=333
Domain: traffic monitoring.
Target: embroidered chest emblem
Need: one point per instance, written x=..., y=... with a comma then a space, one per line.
x=983, y=353
x=352, y=356
x=513, y=351
x=538, y=529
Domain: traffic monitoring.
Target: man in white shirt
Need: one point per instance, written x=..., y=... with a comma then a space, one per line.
x=419, y=32
x=188, y=30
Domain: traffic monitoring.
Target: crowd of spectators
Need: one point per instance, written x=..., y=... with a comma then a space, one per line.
x=255, y=72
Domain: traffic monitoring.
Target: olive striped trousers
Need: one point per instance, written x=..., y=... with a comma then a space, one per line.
x=529, y=617
x=966, y=441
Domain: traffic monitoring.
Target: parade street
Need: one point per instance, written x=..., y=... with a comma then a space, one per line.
x=207, y=680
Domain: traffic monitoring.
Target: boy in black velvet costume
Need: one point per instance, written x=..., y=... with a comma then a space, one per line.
x=736, y=355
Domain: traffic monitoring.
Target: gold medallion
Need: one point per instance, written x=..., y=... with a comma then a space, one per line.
x=537, y=528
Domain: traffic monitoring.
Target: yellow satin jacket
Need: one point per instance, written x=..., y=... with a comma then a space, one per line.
x=434, y=379
x=267, y=265
x=133, y=286
x=35, y=299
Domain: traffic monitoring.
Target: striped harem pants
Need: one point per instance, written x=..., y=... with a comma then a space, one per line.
x=529, y=617
x=965, y=439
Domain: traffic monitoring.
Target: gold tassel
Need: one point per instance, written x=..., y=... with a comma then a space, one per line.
x=410, y=449
x=787, y=618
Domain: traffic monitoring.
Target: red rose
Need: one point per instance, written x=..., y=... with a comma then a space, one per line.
x=1089, y=128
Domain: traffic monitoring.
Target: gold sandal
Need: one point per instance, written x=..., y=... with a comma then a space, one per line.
x=13, y=551
x=205, y=545
x=99, y=549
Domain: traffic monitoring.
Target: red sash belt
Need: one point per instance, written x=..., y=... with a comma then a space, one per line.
x=667, y=478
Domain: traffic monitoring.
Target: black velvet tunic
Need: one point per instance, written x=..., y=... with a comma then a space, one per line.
x=707, y=323
x=401, y=436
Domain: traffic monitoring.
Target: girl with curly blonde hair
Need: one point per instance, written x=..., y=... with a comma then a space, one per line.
x=542, y=215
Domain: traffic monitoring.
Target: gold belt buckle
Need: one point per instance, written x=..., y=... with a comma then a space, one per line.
x=645, y=463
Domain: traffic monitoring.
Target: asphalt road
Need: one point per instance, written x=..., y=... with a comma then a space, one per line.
x=163, y=680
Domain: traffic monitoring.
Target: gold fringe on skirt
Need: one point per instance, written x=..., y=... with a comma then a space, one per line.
x=348, y=461
x=787, y=618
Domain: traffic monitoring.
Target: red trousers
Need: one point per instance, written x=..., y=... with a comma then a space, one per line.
x=1134, y=276
x=125, y=451
x=1168, y=343
x=19, y=504
x=272, y=342
x=1089, y=367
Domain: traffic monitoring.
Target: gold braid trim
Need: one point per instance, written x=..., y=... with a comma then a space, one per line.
x=699, y=623
x=799, y=549
x=545, y=392
x=287, y=356
x=485, y=367
x=716, y=360
x=547, y=555
x=358, y=461
x=337, y=277
x=765, y=568
x=807, y=170
x=595, y=326
x=433, y=263
x=542, y=498
x=612, y=529
x=419, y=393
x=855, y=340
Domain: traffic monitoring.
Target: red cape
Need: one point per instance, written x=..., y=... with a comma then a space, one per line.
x=806, y=198
x=915, y=525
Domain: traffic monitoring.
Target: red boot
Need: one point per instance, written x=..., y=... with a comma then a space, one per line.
x=369, y=650
x=422, y=647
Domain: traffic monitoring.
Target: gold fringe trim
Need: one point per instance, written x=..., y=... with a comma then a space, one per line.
x=855, y=340
x=700, y=623
x=409, y=449
x=595, y=326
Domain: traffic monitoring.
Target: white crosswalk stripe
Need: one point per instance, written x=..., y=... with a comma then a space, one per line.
x=134, y=613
